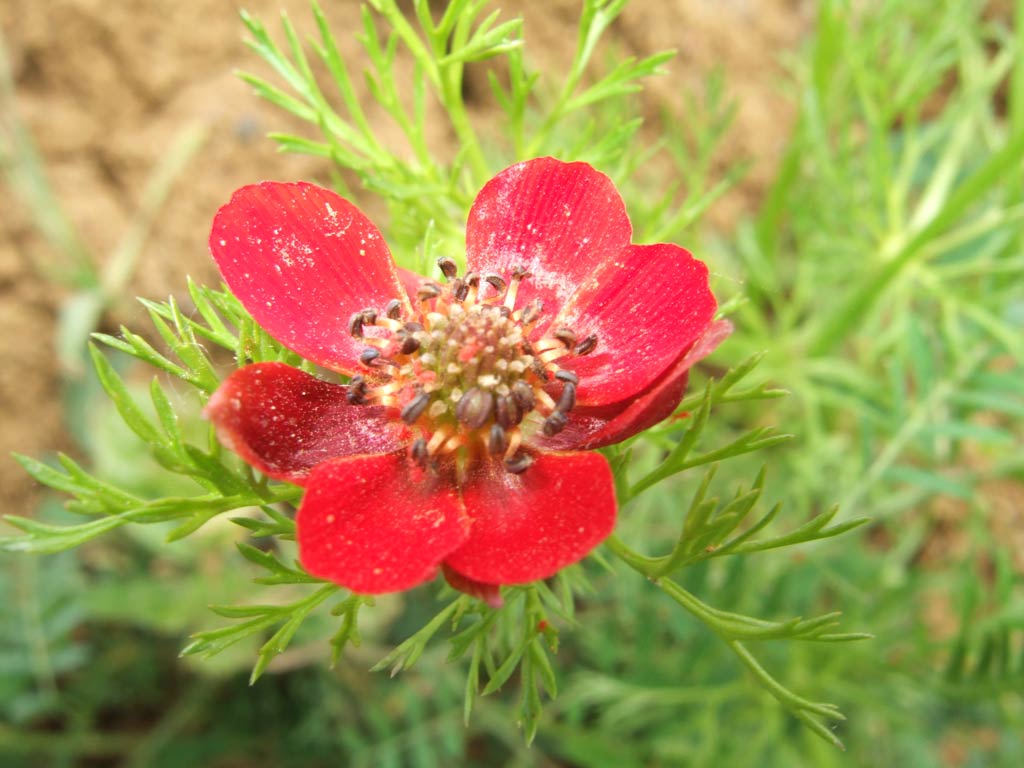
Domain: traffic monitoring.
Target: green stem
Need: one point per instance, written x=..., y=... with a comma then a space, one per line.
x=640, y=563
x=807, y=711
x=451, y=96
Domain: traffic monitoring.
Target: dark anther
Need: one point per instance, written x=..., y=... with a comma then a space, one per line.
x=507, y=411
x=586, y=346
x=567, y=337
x=538, y=368
x=522, y=393
x=428, y=290
x=356, y=394
x=419, y=451
x=472, y=279
x=555, y=423
x=393, y=309
x=369, y=316
x=497, y=441
x=518, y=463
x=412, y=327
x=563, y=375
x=504, y=311
x=415, y=408
x=532, y=311
x=567, y=400
x=355, y=325
x=520, y=273
x=459, y=289
x=368, y=355
x=475, y=407
x=448, y=267
x=409, y=345
x=497, y=283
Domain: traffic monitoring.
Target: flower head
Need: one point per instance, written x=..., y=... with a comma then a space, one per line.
x=460, y=438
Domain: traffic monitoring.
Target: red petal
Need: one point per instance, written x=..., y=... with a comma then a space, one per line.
x=604, y=425
x=284, y=422
x=559, y=220
x=302, y=259
x=377, y=523
x=529, y=526
x=647, y=309
x=489, y=593
x=410, y=282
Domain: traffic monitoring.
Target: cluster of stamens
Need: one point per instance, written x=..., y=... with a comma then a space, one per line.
x=462, y=370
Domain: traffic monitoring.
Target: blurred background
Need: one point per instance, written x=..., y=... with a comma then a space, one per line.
x=866, y=139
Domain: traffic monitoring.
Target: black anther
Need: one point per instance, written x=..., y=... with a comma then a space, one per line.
x=567, y=400
x=532, y=311
x=563, y=375
x=415, y=408
x=419, y=452
x=393, y=309
x=507, y=411
x=355, y=325
x=523, y=395
x=409, y=345
x=520, y=273
x=428, y=290
x=538, y=368
x=586, y=346
x=497, y=283
x=368, y=355
x=448, y=267
x=497, y=440
x=459, y=289
x=555, y=423
x=472, y=279
x=369, y=316
x=566, y=336
x=356, y=392
x=518, y=463
x=475, y=407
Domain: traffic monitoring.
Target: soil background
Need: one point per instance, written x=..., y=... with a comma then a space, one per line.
x=106, y=87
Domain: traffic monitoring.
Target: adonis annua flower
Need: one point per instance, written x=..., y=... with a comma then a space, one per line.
x=462, y=437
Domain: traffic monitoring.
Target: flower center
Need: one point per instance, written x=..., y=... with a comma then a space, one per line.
x=463, y=372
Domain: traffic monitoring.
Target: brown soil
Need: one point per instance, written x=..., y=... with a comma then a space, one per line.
x=105, y=88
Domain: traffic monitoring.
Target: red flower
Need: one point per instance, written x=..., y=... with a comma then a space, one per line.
x=459, y=439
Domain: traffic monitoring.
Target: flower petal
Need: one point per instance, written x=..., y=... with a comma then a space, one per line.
x=284, y=422
x=561, y=221
x=301, y=260
x=488, y=593
x=377, y=523
x=529, y=526
x=595, y=427
x=647, y=309
x=411, y=281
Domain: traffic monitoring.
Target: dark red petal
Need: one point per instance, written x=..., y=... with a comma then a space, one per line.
x=561, y=221
x=529, y=526
x=489, y=593
x=284, y=422
x=646, y=309
x=594, y=427
x=377, y=523
x=302, y=259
